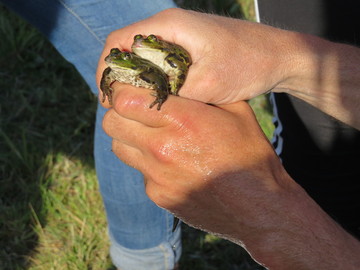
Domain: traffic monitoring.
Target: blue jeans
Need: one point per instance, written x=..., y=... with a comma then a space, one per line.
x=140, y=232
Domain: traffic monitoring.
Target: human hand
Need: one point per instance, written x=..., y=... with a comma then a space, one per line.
x=201, y=162
x=214, y=168
x=232, y=59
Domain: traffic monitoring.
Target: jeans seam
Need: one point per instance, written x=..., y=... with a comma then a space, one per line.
x=81, y=21
x=165, y=251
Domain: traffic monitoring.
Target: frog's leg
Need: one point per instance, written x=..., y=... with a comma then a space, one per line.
x=159, y=84
x=106, y=81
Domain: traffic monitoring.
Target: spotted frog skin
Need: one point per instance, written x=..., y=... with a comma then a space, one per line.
x=129, y=68
x=171, y=58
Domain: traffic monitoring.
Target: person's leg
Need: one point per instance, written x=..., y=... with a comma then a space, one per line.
x=140, y=231
x=141, y=236
x=78, y=28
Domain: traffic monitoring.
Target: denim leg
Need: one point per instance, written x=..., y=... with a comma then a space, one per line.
x=140, y=232
x=78, y=29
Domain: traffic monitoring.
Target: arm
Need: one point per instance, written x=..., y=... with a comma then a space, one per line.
x=225, y=180
x=326, y=75
x=237, y=60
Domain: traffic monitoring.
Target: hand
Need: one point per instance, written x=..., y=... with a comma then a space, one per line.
x=215, y=170
x=201, y=162
x=233, y=60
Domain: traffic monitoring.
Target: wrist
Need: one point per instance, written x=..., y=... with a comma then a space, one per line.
x=304, y=60
x=324, y=74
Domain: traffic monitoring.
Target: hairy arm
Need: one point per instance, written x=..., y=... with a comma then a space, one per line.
x=324, y=74
x=214, y=168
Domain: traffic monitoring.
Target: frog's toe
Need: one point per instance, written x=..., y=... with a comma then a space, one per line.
x=160, y=98
x=156, y=101
x=159, y=102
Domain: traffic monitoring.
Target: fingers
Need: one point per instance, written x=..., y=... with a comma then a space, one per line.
x=128, y=132
x=133, y=123
x=163, y=24
x=134, y=103
x=130, y=155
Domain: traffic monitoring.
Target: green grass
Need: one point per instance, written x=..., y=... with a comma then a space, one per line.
x=51, y=214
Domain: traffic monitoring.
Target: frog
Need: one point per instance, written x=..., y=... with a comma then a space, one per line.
x=170, y=57
x=129, y=68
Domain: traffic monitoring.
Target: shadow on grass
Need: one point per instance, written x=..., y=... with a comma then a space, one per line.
x=45, y=109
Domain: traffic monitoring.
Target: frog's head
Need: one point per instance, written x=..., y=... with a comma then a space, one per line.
x=121, y=60
x=150, y=42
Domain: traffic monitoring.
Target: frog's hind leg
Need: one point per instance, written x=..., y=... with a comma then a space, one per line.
x=158, y=84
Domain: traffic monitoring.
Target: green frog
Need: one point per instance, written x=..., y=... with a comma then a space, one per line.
x=171, y=58
x=129, y=68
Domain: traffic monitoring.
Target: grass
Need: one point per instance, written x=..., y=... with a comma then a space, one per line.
x=51, y=213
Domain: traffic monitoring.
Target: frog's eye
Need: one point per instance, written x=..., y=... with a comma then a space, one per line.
x=138, y=37
x=152, y=38
x=126, y=56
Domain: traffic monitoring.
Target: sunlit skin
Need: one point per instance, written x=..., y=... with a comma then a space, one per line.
x=235, y=60
x=212, y=166
x=224, y=179
x=184, y=144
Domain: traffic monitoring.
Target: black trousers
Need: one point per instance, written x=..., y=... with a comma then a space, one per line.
x=319, y=152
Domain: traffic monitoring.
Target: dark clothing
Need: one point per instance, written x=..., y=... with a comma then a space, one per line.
x=319, y=152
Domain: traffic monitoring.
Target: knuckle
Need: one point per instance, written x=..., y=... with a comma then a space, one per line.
x=164, y=151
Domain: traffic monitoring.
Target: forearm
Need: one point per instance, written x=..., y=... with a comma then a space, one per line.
x=326, y=75
x=305, y=238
